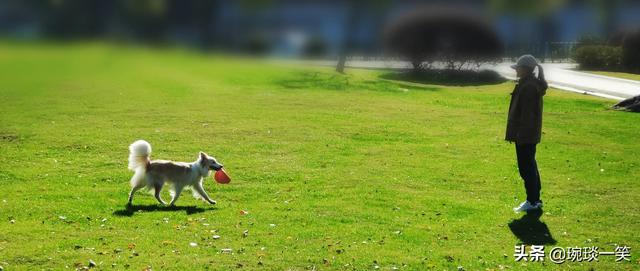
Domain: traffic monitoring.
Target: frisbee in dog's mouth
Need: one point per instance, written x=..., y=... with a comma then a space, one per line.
x=221, y=176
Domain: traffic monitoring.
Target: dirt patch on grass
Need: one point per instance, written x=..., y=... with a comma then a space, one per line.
x=6, y=137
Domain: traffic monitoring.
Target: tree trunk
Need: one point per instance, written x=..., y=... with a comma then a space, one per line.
x=349, y=30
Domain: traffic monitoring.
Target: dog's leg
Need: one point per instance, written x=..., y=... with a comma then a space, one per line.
x=137, y=182
x=176, y=194
x=158, y=188
x=133, y=191
x=198, y=188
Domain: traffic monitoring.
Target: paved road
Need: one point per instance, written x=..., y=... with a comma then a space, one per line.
x=560, y=76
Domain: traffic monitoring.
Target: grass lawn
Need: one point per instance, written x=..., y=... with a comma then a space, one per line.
x=336, y=172
x=623, y=75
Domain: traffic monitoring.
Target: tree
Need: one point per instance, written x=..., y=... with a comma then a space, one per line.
x=631, y=51
x=354, y=9
x=454, y=37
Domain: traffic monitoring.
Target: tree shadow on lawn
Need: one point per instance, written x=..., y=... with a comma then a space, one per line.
x=530, y=230
x=129, y=210
x=335, y=81
x=447, y=77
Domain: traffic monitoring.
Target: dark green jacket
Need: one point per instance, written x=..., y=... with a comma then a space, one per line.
x=524, y=124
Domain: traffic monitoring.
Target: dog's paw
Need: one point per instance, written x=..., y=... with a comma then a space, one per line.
x=212, y=202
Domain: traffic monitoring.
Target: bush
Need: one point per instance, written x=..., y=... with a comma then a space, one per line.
x=314, y=48
x=442, y=35
x=589, y=40
x=257, y=45
x=599, y=57
x=631, y=51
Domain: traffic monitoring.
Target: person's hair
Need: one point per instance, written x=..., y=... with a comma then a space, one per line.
x=540, y=73
x=543, y=82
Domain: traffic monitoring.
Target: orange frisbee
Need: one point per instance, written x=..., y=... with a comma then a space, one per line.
x=221, y=177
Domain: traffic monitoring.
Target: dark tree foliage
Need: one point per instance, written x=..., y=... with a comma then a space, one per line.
x=631, y=51
x=598, y=57
x=73, y=18
x=442, y=35
x=147, y=20
x=621, y=52
x=257, y=44
x=315, y=47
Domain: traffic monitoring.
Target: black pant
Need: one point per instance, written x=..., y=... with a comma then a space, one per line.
x=529, y=170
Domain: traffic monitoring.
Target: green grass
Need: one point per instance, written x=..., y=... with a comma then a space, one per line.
x=623, y=75
x=353, y=171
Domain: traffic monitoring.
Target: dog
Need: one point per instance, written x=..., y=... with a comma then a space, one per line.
x=154, y=174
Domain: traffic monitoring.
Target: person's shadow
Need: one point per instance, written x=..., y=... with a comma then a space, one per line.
x=530, y=230
x=129, y=210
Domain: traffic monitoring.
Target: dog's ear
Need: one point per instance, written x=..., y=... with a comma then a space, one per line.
x=203, y=158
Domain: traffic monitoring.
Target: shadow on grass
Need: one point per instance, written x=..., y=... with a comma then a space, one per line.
x=447, y=77
x=129, y=210
x=336, y=81
x=530, y=230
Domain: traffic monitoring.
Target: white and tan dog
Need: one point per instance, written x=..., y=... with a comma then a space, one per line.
x=154, y=174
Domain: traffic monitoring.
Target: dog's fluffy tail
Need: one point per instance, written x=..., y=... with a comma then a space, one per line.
x=139, y=153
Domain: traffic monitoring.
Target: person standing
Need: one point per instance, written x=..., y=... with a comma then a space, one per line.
x=524, y=125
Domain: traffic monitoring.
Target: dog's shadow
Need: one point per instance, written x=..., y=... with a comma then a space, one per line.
x=129, y=210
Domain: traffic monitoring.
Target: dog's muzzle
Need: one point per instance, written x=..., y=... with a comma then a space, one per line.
x=216, y=167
